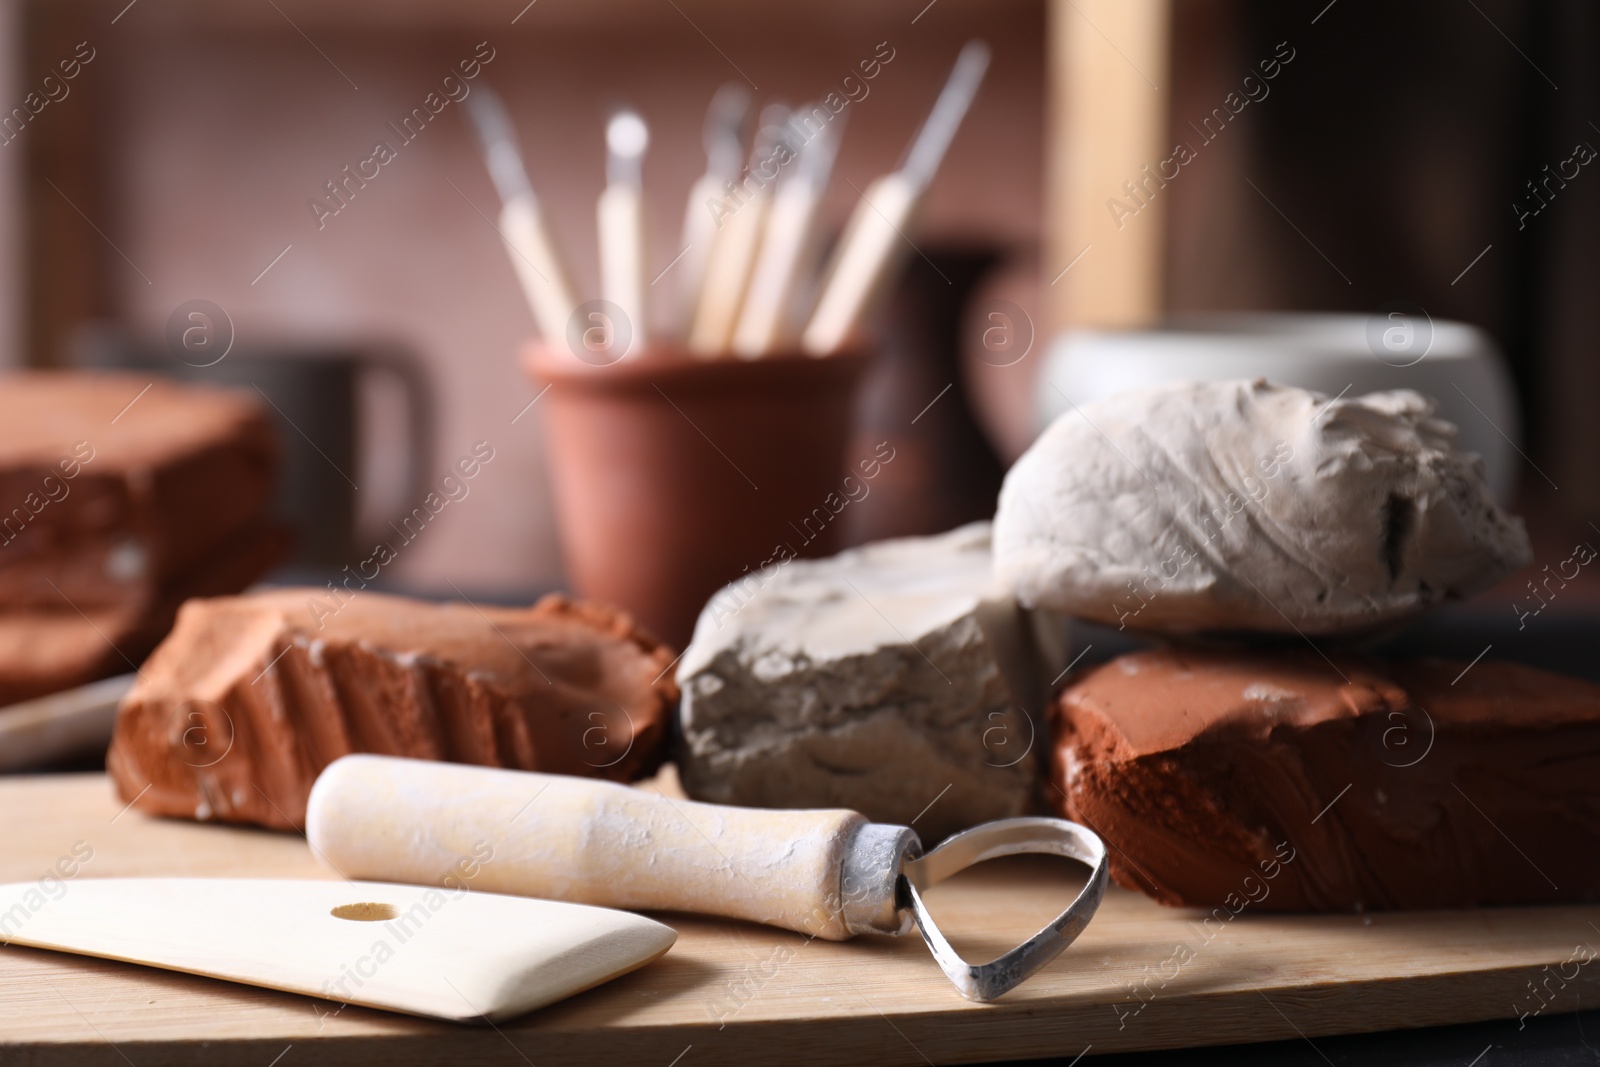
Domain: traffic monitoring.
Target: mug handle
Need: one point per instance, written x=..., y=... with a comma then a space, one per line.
x=420, y=416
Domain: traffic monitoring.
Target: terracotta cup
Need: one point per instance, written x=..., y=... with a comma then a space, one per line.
x=674, y=475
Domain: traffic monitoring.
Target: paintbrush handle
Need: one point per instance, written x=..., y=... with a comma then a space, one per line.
x=829, y=874
x=539, y=266
x=873, y=245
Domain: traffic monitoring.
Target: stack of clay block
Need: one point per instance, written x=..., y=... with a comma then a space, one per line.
x=120, y=497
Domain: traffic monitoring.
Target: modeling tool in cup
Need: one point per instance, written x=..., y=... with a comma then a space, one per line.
x=742, y=220
x=620, y=215
x=875, y=242
x=766, y=320
x=528, y=242
x=725, y=136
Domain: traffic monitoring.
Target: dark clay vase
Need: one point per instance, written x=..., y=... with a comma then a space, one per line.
x=945, y=471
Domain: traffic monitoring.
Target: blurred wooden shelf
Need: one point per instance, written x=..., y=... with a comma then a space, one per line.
x=499, y=14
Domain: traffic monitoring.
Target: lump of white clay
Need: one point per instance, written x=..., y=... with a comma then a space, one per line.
x=1246, y=506
x=895, y=679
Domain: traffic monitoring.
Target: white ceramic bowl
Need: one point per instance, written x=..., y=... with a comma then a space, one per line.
x=1455, y=364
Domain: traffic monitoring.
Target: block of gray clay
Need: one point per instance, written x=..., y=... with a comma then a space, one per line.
x=895, y=679
x=1242, y=506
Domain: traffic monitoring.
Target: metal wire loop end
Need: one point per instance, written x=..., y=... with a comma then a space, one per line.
x=1007, y=837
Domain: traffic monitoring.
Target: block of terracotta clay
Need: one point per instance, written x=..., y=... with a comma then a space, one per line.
x=103, y=572
x=1246, y=506
x=249, y=697
x=110, y=482
x=1277, y=780
x=58, y=645
x=895, y=679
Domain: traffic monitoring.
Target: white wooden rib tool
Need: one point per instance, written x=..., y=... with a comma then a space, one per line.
x=451, y=953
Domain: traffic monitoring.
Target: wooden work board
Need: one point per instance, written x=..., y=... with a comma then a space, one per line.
x=1141, y=977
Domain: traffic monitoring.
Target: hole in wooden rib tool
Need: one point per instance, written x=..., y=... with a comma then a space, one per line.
x=366, y=912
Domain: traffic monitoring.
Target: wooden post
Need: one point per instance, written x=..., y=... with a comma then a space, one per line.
x=1106, y=121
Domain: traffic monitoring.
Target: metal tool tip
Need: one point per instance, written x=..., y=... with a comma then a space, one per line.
x=627, y=134
x=730, y=103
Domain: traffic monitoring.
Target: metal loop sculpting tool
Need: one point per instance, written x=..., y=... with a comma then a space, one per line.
x=1007, y=837
x=831, y=874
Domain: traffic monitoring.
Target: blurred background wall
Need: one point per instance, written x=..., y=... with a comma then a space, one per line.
x=195, y=137
x=1384, y=165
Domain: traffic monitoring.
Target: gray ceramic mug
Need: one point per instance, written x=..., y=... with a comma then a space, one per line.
x=314, y=394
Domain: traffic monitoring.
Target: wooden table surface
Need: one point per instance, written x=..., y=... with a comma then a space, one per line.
x=1141, y=977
